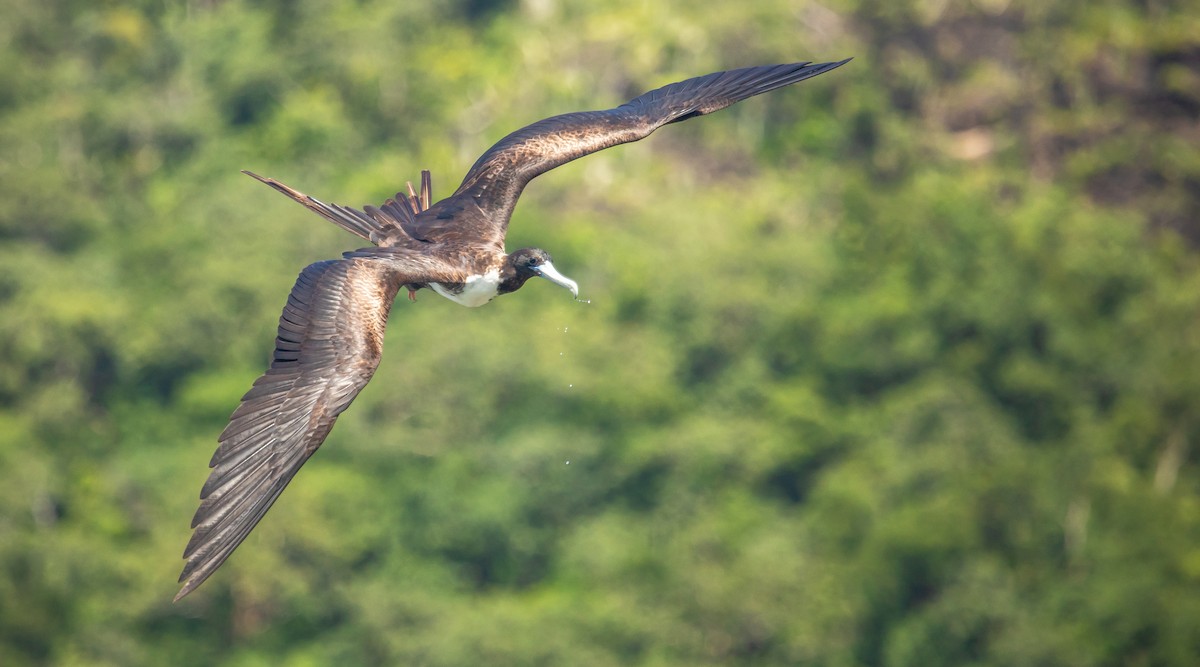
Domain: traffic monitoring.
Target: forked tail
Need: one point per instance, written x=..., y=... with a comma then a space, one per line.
x=372, y=223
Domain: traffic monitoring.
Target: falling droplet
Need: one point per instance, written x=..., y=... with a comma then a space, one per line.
x=568, y=463
x=569, y=386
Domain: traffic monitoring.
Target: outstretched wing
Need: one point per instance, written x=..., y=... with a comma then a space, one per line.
x=498, y=177
x=328, y=346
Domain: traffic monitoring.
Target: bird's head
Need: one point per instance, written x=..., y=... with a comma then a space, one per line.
x=527, y=263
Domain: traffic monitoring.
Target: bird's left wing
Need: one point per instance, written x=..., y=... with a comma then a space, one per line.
x=497, y=178
x=327, y=348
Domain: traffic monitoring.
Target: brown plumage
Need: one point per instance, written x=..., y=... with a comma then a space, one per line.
x=331, y=331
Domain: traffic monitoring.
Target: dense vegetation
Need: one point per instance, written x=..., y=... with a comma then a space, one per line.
x=899, y=366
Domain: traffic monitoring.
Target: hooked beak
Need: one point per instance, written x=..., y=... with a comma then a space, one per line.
x=547, y=271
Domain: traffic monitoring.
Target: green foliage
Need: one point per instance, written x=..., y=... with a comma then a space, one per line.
x=896, y=367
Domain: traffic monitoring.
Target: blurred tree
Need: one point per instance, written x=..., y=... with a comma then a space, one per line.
x=915, y=384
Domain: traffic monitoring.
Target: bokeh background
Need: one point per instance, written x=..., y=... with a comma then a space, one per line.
x=899, y=366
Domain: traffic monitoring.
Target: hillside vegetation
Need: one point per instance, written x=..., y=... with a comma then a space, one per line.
x=898, y=366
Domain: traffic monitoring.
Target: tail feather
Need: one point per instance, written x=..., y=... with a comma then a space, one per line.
x=405, y=207
x=372, y=223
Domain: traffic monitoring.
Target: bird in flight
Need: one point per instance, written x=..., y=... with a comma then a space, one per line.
x=331, y=331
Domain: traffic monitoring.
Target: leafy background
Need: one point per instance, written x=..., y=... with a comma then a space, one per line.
x=894, y=367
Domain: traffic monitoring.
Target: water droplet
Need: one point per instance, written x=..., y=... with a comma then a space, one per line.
x=569, y=386
x=568, y=463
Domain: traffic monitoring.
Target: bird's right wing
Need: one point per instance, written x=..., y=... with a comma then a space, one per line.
x=328, y=346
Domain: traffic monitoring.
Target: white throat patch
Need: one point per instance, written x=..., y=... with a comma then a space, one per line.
x=476, y=291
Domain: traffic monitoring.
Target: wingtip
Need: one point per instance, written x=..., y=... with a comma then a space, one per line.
x=191, y=580
x=814, y=69
x=825, y=67
x=187, y=588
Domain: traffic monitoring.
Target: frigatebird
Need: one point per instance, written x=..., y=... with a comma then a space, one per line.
x=331, y=331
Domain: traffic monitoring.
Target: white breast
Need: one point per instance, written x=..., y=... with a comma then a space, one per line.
x=477, y=290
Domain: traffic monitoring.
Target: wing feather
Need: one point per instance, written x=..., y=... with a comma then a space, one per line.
x=500, y=174
x=328, y=346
